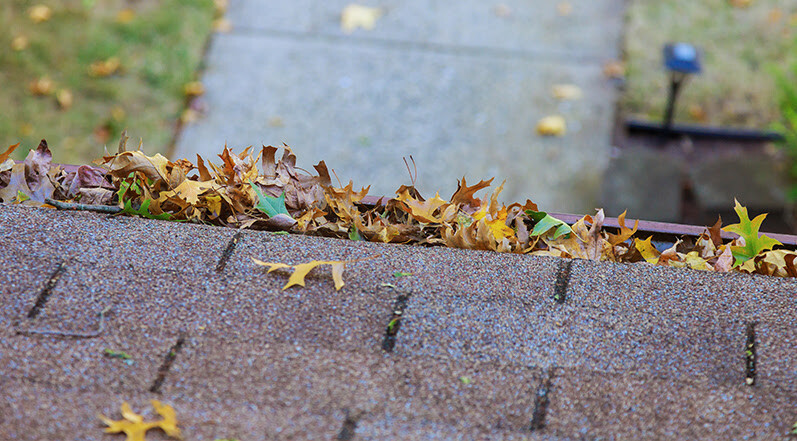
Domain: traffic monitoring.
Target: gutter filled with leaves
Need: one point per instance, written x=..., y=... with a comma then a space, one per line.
x=276, y=195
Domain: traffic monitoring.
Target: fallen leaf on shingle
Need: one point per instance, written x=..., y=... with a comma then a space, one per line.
x=357, y=16
x=553, y=125
x=300, y=271
x=566, y=91
x=134, y=426
x=40, y=13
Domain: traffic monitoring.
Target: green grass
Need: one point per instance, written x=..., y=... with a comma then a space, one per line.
x=741, y=47
x=160, y=50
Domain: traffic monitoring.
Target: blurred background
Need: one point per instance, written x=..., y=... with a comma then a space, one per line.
x=533, y=92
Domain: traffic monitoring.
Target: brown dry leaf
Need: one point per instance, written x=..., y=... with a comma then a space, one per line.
x=42, y=86
x=464, y=195
x=31, y=178
x=5, y=155
x=553, y=125
x=134, y=426
x=342, y=200
x=356, y=16
x=40, y=13
x=421, y=211
x=104, y=68
x=725, y=261
x=188, y=192
x=302, y=190
x=126, y=162
x=19, y=43
x=300, y=271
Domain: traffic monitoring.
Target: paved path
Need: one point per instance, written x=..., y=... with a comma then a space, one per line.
x=454, y=84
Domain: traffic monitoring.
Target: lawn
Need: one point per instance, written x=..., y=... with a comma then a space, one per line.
x=104, y=65
x=742, y=43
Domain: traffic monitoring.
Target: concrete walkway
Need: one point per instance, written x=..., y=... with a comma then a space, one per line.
x=460, y=86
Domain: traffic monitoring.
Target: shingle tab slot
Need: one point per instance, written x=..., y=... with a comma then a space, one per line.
x=41, y=299
x=541, y=402
x=562, y=280
x=349, y=427
x=389, y=342
x=225, y=255
x=750, y=355
x=163, y=370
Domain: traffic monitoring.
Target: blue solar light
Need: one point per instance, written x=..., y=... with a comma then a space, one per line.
x=682, y=58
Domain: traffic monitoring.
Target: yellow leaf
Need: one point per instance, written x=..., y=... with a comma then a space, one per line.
x=40, y=13
x=625, y=232
x=357, y=16
x=647, y=250
x=135, y=428
x=189, y=191
x=552, y=126
x=300, y=271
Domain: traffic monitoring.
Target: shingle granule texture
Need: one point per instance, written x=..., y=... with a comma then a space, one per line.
x=483, y=345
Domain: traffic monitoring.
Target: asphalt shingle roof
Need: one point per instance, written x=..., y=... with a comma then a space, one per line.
x=490, y=346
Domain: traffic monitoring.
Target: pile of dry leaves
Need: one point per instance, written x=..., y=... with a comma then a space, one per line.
x=267, y=193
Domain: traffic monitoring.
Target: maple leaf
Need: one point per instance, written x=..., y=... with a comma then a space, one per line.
x=464, y=195
x=268, y=204
x=134, y=426
x=748, y=231
x=300, y=271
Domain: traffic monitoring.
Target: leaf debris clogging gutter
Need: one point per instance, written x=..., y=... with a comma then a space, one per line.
x=650, y=227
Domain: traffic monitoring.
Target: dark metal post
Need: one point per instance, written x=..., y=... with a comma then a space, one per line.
x=676, y=79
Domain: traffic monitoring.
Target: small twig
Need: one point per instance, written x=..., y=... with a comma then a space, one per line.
x=113, y=209
x=58, y=333
x=412, y=176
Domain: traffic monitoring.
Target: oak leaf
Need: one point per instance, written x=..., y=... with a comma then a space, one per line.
x=464, y=195
x=422, y=211
x=134, y=426
x=748, y=230
x=625, y=232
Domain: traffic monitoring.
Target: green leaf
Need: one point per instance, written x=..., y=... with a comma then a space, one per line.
x=748, y=230
x=117, y=354
x=354, y=234
x=401, y=274
x=22, y=197
x=268, y=204
x=545, y=222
